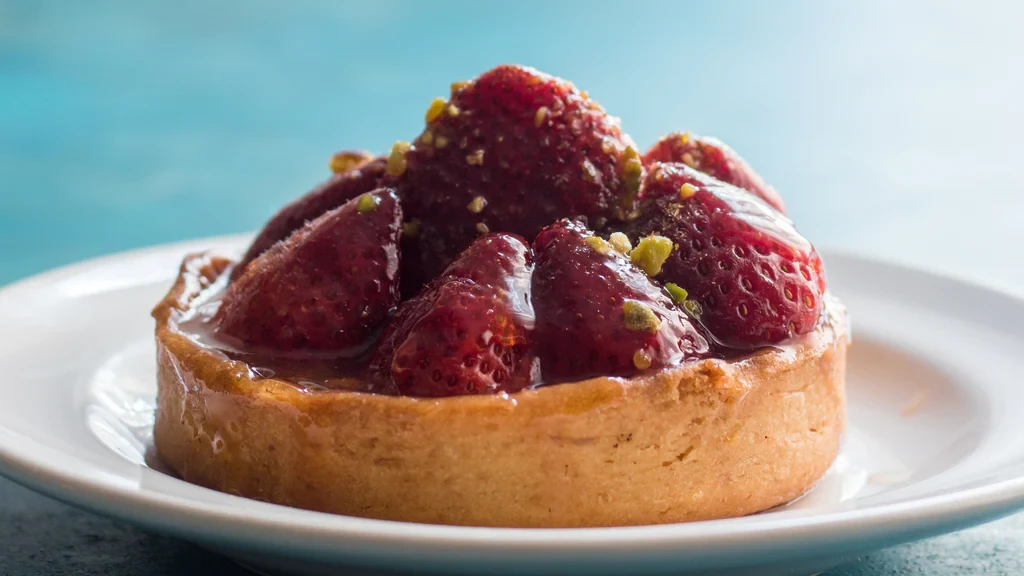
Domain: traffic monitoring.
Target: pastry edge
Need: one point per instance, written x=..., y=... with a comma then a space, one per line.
x=708, y=439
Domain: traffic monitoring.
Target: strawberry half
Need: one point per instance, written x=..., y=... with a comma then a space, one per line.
x=512, y=151
x=360, y=178
x=597, y=314
x=712, y=157
x=756, y=281
x=469, y=331
x=326, y=289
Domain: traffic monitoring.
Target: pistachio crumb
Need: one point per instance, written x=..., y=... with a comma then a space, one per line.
x=476, y=158
x=453, y=110
x=540, y=115
x=688, y=159
x=677, y=293
x=427, y=137
x=620, y=242
x=599, y=245
x=482, y=228
x=456, y=86
x=411, y=228
x=687, y=190
x=396, y=161
x=440, y=141
x=693, y=308
x=436, y=108
x=632, y=174
x=344, y=161
x=367, y=203
x=651, y=253
x=639, y=316
x=684, y=138
x=642, y=360
x=476, y=205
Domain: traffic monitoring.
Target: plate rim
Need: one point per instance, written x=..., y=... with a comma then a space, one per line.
x=264, y=522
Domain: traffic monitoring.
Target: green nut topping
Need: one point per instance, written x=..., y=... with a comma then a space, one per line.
x=367, y=203
x=693, y=308
x=632, y=175
x=599, y=245
x=396, y=160
x=620, y=242
x=651, y=253
x=638, y=316
x=678, y=294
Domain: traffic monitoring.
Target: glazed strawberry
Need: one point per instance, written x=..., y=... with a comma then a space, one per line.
x=597, y=314
x=324, y=290
x=358, y=175
x=512, y=151
x=712, y=157
x=749, y=276
x=469, y=331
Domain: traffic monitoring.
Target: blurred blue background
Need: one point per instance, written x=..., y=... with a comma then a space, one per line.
x=890, y=128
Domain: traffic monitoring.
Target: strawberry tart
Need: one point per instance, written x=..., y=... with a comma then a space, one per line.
x=516, y=319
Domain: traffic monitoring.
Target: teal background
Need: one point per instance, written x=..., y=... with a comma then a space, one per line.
x=890, y=128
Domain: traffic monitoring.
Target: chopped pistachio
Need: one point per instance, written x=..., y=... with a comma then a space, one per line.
x=453, y=110
x=476, y=158
x=688, y=160
x=632, y=174
x=599, y=245
x=476, y=205
x=638, y=316
x=427, y=137
x=456, y=86
x=686, y=190
x=482, y=228
x=676, y=292
x=435, y=109
x=344, y=161
x=440, y=141
x=367, y=203
x=693, y=308
x=620, y=242
x=642, y=360
x=684, y=138
x=651, y=253
x=411, y=228
x=396, y=161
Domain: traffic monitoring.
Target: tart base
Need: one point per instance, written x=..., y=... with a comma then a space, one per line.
x=709, y=439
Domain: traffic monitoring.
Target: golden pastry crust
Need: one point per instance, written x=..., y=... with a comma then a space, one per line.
x=709, y=439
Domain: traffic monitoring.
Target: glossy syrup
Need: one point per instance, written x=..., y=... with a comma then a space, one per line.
x=318, y=372
x=310, y=372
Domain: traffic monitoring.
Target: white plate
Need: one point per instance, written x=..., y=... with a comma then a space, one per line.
x=935, y=443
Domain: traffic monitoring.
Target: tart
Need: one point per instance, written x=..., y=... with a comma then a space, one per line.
x=517, y=319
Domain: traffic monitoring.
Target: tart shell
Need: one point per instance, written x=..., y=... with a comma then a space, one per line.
x=708, y=439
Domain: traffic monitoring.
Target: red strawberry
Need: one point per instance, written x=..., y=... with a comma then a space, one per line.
x=341, y=188
x=326, y=289
x=597, y=314
x=712, y=157
x=512, y=151
x=756, y=279
x=469, y=331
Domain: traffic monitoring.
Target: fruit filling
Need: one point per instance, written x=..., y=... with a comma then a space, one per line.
x=520, y=240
